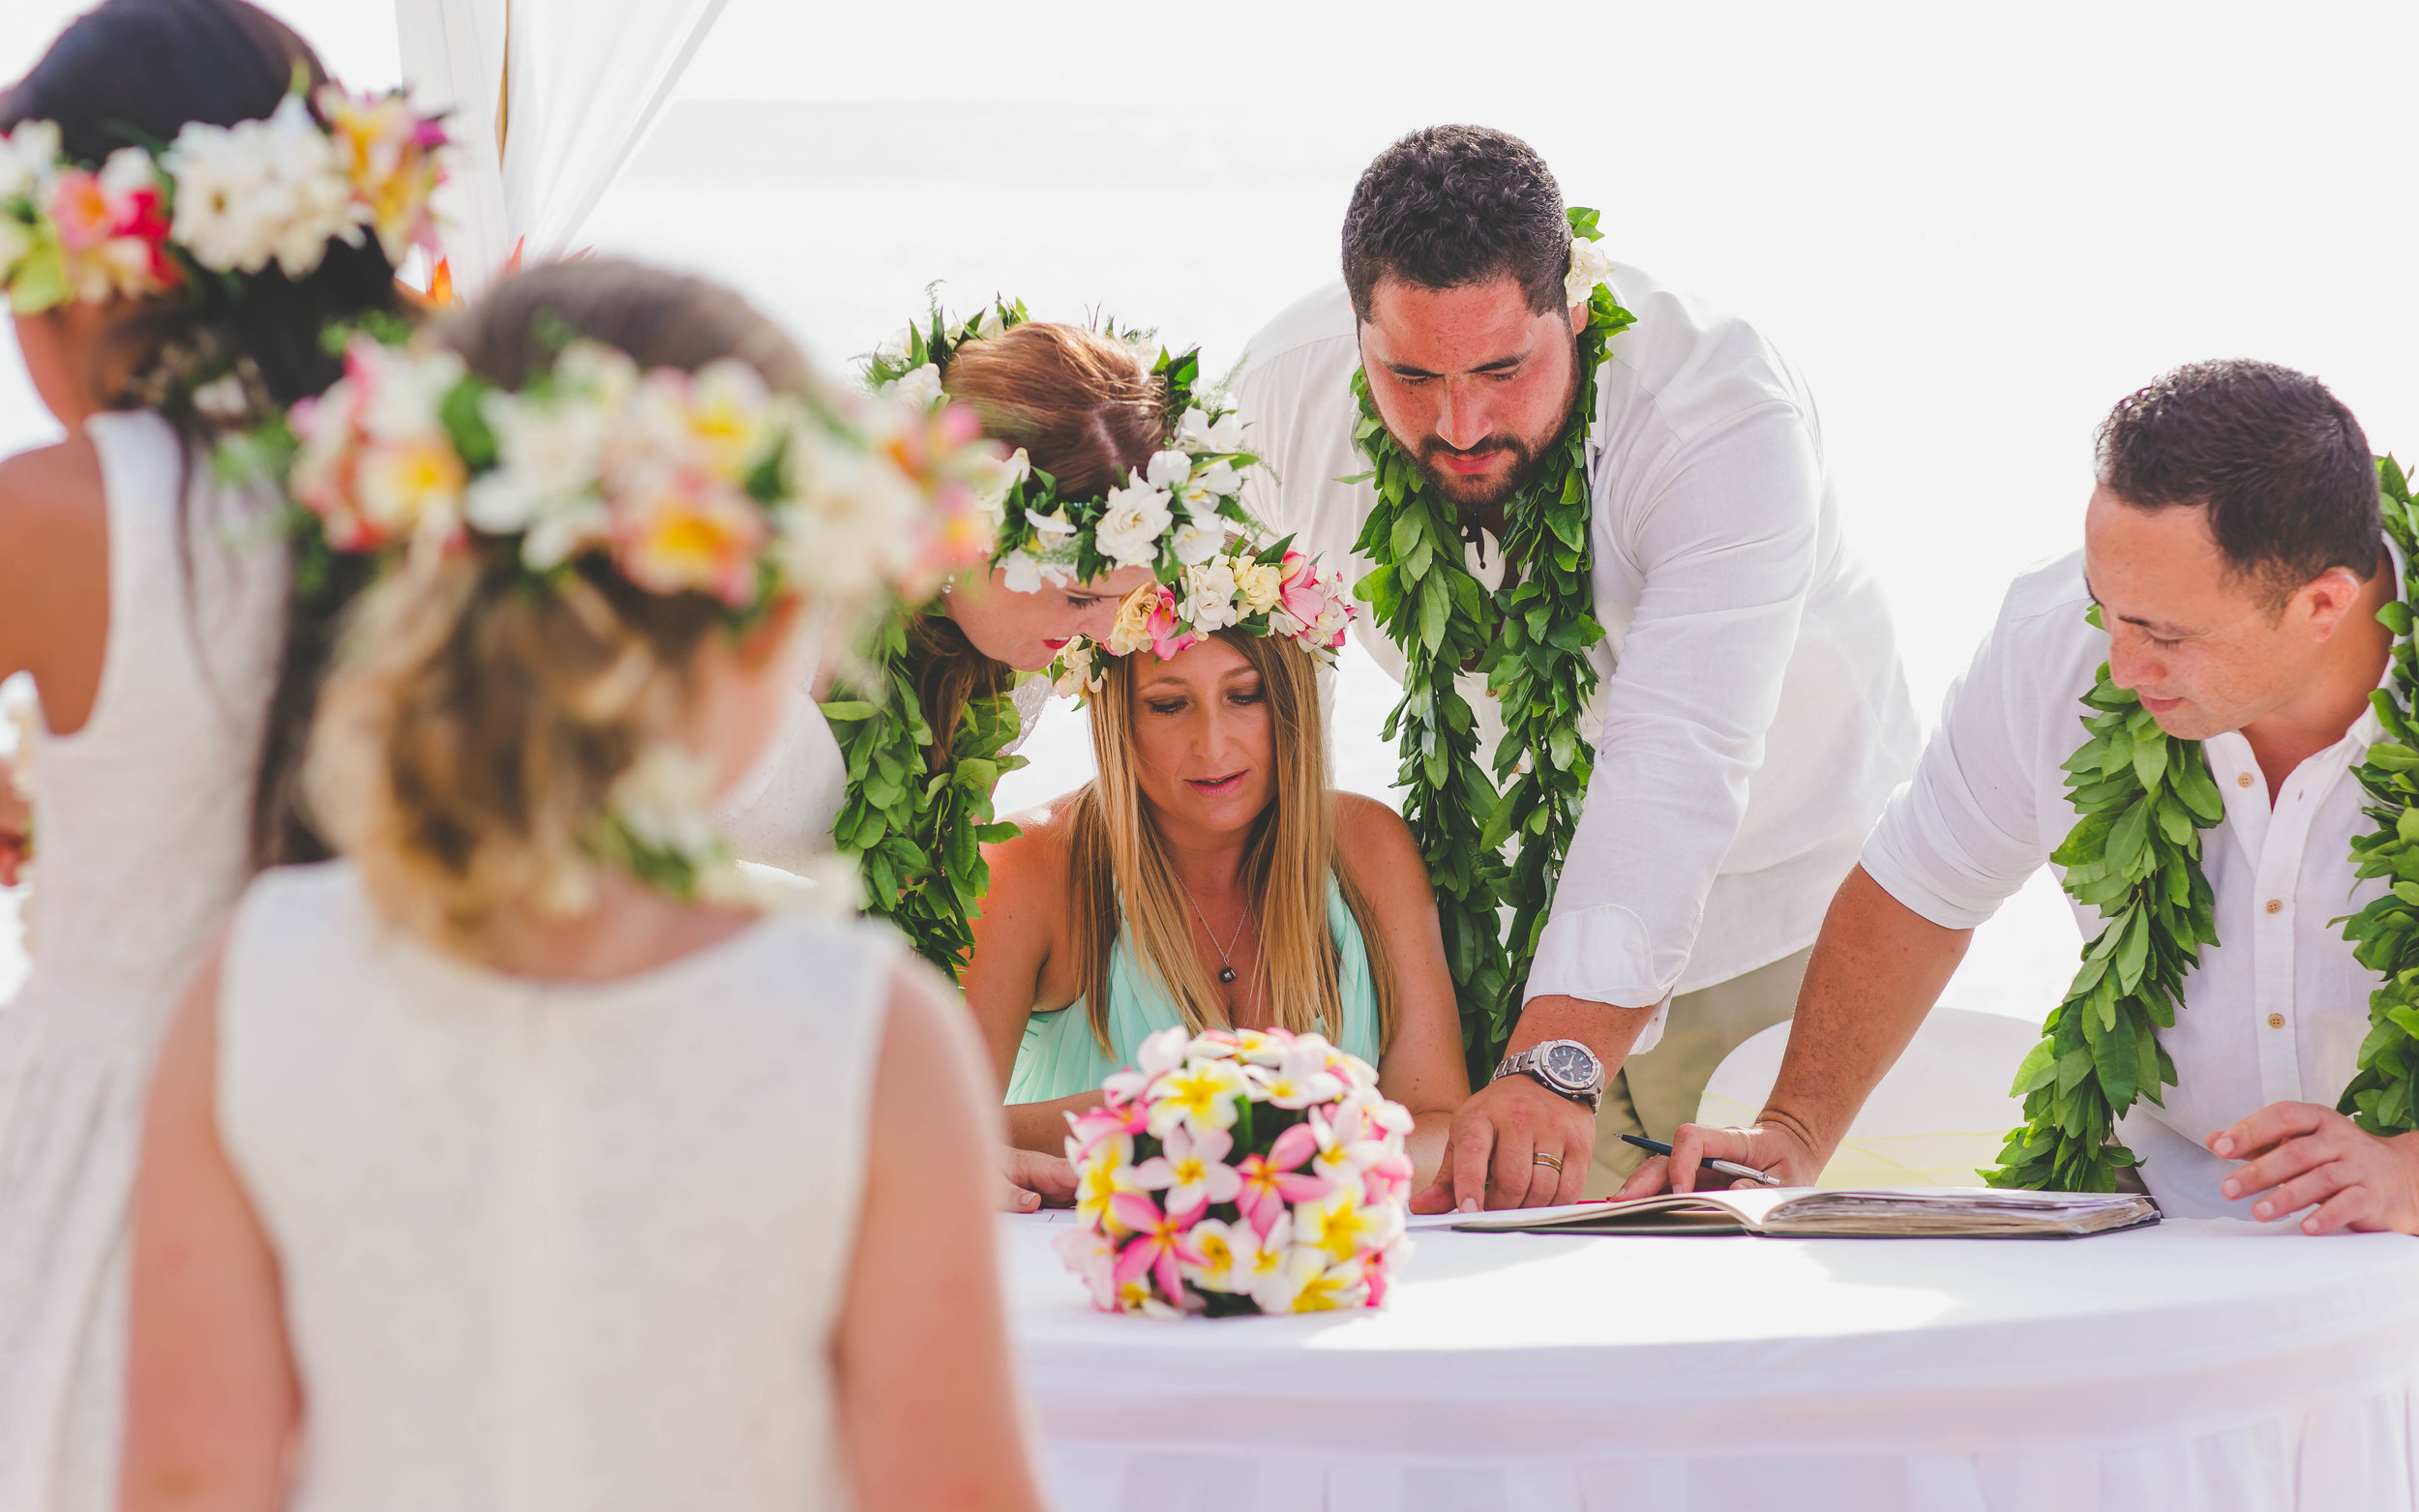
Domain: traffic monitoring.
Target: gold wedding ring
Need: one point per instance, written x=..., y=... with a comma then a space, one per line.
x=1552, y=1162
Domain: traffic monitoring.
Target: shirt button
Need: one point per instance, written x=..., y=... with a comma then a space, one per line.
x=2276, y=1021
x=2276, y=905
x=2242, y=779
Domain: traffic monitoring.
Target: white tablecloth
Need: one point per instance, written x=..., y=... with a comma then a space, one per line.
x=2191, y=1365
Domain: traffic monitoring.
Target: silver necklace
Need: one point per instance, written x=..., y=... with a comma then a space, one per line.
x=1226, y=951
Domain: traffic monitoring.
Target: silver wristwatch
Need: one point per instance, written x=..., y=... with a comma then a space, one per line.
x=1564, y=1066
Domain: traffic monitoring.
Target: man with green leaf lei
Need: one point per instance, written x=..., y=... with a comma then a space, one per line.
x=1594, y=526
x=2235, y=831
x=926, y=717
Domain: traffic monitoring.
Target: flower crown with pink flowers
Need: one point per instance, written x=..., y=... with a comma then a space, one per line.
x=709, y=483
x=1271, y=590
x=219, y=200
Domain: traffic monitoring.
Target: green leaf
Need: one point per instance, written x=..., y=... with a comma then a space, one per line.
x=2150, y=762
x=1435, y=606
x=2127, y=835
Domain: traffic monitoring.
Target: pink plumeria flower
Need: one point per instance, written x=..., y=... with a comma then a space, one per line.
x=1157, y=1055
x=1342, y=1285
x=1103, y=1176
x=1261, y=1047
x=1390, y=1179
x=1230, y=1257
x=1202, y=1098
x=1089, y=1255
x=1087, y=1128
x=1159, y=1245
x=1193, y=1172
x=1348, y=1144
x=1267, y=1183
x=1306, y=1281
x=1345, y=1223
x=1301, y=1079
x=1214, y=1045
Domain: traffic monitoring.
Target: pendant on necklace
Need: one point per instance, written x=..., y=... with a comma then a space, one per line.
x=1227, y=975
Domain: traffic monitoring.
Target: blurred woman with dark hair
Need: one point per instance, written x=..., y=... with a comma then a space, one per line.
x=185, y=204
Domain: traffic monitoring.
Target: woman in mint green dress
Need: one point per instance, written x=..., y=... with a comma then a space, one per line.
x=1209, y=877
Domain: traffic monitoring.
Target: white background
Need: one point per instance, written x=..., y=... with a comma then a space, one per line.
x=1972, y=228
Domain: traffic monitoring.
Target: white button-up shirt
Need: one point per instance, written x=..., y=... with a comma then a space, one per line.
x=1751, y=718
x=2276, y=1013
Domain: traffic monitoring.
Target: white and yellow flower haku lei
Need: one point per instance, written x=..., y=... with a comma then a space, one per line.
x=225, y=201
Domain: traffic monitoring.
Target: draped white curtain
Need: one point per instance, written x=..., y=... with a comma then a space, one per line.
x=586, y=79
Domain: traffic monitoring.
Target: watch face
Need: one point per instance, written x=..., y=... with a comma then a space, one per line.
x=1570, y=1065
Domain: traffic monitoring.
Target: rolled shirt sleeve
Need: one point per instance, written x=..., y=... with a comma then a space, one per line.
x=1726, y=544
x=1976, y=822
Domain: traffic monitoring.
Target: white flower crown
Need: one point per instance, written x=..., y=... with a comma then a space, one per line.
x=1170, y=514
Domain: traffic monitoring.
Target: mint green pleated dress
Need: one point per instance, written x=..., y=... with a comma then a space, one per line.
x=1059, y=1058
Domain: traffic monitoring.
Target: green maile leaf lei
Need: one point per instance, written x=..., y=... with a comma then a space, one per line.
x=2144, y=797
x=1530, y=638
x=916, y=827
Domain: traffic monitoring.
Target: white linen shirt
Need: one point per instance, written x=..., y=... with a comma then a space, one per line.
x=1751, y=717
x=2276, y=1013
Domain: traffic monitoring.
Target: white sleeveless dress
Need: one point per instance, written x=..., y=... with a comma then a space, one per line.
x=553, y=1245
x=142, y=826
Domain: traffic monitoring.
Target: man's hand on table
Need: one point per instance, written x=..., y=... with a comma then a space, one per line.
x=1491, y=1157
x=1772, y=1145
x=1030, y=1180
x=1508, y=1137
x=2305, y=1154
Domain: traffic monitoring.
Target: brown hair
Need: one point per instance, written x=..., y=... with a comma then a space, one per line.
x=471, y=734
x=128, y=73
x=1121, y=880
x=1084, y=409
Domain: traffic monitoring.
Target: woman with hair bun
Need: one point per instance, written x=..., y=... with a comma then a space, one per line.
x=607, y=1187
x=185, y=204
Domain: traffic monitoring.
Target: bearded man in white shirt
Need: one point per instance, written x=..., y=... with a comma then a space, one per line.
x=1679, y=612
x=2234, y=548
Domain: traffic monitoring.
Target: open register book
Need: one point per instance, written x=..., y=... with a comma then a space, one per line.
x=1809, y=1212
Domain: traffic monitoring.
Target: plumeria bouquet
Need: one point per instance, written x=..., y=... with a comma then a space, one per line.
x=1238, y=1170
x=1271, y=590
x=221, y=200
x=1171, y=514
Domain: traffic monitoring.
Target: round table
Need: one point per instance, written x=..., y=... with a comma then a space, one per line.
x=2190, y=1365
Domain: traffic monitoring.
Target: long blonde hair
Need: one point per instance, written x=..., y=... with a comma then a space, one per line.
x=471, y=734
x=1121, y=880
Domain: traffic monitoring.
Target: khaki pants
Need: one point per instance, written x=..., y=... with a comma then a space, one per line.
x=1657, y=1092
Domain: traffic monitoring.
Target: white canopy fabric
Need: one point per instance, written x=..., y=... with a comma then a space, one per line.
x=567, y=87
x=2191, y=1367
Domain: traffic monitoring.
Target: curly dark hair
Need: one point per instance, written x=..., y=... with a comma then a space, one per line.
x=2276, y=461
x=1449, y=206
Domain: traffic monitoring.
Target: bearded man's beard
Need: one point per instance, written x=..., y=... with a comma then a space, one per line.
x=1528, y=457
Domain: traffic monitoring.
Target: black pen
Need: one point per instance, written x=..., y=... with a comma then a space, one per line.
x=1727, y=1167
